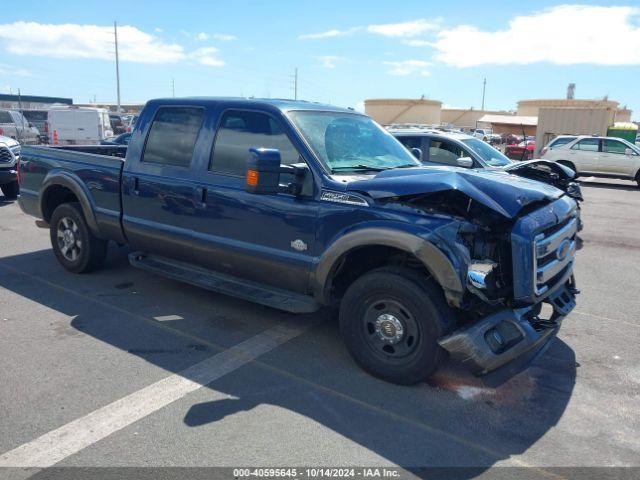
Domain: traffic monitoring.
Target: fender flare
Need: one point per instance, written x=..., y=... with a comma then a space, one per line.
x=80, y=190
x=434, y=260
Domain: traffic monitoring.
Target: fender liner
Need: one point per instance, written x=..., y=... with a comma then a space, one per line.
x=434, y=260
x=68, y=180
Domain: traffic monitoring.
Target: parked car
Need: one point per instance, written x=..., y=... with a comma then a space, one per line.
x=122, y=139
x=435, y=147
x=606, y=157
x=521, y=151
x=117, y=124
x=13, y=124
x=39, y=119
x=638, y=141
x=79, y=125
x=9, y=159
x=295, y=205
x=558, y=142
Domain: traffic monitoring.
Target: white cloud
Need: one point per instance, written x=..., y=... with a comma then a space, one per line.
x=202, y=37
x=417, y=43
x=86, y=41
x=563, y=35
x=207, y=56
x=10, y=70
x=158, y=30
x=97, y=42
x=329, y=34
x=223, y=37
x=330, y=61
x=408, y=67
x=404, y=29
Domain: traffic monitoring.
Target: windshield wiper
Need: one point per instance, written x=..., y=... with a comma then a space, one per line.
x=359, y=168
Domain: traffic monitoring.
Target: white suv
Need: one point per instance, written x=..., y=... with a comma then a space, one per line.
x=607, y=157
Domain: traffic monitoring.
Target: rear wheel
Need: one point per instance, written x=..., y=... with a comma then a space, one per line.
x=390, y=320
x=11, y=190
x=75, y=247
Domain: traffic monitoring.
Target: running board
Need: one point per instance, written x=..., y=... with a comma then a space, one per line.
x=226, y=284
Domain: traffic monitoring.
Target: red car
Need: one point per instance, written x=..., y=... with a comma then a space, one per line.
x=521, y=151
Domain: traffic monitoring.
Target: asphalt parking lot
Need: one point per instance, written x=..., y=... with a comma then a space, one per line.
x=209, y=380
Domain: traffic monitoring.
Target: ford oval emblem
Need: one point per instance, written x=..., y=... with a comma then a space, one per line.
x=563, y=249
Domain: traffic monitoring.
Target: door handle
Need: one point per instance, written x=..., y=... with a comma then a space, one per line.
x=136, y=186
x=200, y=194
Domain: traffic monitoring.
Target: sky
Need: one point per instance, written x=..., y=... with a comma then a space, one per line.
x=344, y=51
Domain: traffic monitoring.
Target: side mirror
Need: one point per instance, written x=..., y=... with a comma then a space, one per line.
x=416, y=152
x=263, y=173
x=628, y=152
x=465, y=162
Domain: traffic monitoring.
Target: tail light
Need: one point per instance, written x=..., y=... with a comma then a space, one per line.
x=46, y=128
x=1, y=131
x=18, y=170
x=128, y=129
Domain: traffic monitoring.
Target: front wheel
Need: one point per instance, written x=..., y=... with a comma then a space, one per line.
x=76, y=248
x=11, y=190
x=391, y=319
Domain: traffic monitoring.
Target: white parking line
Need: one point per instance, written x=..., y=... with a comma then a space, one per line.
x=62, y=442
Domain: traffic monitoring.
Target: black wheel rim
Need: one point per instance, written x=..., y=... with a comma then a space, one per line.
x=390, y=329
x=69, y=241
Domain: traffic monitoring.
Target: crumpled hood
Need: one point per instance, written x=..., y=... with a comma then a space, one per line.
x=498, y=190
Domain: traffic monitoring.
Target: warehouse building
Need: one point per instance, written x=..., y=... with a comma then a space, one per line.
x=397, y=110
x=31, y=102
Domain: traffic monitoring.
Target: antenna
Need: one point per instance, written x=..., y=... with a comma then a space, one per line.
x=173, y=87
x=115, y=34
x=295, y=84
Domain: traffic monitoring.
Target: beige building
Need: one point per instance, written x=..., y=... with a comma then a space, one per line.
x=388, y=111
x=513, y=124
x=531, y=107
x=573, y=121
x=465, y=117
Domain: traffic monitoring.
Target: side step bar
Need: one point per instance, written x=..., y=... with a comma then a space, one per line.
x=226, y=284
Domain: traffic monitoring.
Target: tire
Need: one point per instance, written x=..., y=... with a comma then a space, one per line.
x=75, y=247
x=638, y=178
x=11, y=190
x=371, y=311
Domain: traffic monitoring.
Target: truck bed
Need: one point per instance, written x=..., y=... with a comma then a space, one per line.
x=92, y=172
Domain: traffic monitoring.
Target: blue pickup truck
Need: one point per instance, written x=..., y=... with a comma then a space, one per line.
x=297, y=205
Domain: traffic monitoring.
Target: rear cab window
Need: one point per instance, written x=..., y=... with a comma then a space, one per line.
x=241, y=130
x=172, y=136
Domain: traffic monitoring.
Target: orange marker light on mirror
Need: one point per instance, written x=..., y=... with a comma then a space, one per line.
x=252, y=178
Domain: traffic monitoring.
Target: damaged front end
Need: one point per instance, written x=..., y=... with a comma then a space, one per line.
x=510, y=266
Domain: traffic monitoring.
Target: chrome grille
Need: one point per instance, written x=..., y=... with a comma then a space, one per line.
x=5, y=155
x=16, y=151
x=554, y=251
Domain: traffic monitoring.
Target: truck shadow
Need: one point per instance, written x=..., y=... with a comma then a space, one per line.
x=454, y=422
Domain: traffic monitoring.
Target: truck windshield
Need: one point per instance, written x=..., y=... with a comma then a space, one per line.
x=489, y=155
x=351, y=142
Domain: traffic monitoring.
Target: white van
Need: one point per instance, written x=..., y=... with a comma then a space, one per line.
x=78, y=125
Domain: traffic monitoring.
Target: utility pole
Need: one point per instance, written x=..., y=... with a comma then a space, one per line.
x=484, y=88
x=115, y=34
x=295, y=85
x=173, y=87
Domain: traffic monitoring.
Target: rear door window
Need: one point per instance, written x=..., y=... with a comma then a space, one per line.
x=5, y=117
x=240, y=131
x=173, y=135
x=587, y=144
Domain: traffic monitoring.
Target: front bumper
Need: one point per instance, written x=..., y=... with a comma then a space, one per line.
x=504, y=343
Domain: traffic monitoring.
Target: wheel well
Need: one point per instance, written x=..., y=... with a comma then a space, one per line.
x=355, y=263
x=55, y=196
